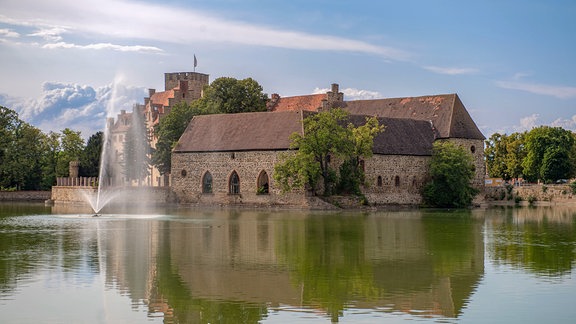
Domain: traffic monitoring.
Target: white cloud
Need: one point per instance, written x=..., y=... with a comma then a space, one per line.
x=450, y=70
x=136, y=20
x=528, y=122
x=50, y=34
x=5, y=32
x=352, y=93
x=565, y=123
x=74, y=106
x=105, y=46
x=561, y=92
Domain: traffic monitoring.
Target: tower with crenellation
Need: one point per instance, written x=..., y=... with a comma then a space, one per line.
x=188, y=85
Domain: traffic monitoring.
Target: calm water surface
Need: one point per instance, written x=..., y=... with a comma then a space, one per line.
x=501, y=265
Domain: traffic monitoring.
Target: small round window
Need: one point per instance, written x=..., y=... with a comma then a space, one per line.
x=473, y=149
x=183, y=173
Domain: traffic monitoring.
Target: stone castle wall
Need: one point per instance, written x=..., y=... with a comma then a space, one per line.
x=188, y=170
x=395, y=179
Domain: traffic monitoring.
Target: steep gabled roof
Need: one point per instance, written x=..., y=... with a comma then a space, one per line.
x=401, y=136
x=271, y=131
x=446, y=112
x=240, y=132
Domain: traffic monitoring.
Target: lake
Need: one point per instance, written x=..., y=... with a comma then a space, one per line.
x=179, y=265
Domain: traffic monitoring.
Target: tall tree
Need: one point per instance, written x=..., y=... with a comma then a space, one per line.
x=51, y=148
x=90, y=158
x=326, y=137
x=451, y=174
x=72, y=145
x=544, y=145
x=169, y=131
x=229, y=95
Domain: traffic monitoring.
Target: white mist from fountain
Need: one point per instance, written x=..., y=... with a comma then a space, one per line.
x=111, y=182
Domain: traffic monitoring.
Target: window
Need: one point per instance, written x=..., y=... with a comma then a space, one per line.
x=397, y=181
x=183, y=173
x=473, y=149
x=234, y=184
x=263, y=184
x=379, y=181
x=207, y=183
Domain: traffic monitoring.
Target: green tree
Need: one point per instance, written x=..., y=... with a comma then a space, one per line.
x=169, y=130
x=362, y=138
x=325, y=138
x=451, y=174
x=137, y=150
x=228, y=95
x=51, y=150
x=549, y=154
x=90, y=158
x=9, y=122
x=72, y=145
x=504, y=155
x=27, y=158
x=515, y=154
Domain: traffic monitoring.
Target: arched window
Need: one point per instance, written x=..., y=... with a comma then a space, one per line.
x=207, y=182
x=379, y=181
x=263, y=183
x=397, y=181
x=473, y=149
x=234, y=184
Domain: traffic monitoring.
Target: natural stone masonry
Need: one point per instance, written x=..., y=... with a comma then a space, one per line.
x=189, y=169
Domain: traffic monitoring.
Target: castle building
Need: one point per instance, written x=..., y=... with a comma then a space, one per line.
x=230, y=158
x=178, y=87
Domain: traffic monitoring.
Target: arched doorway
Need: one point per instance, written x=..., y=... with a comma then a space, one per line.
x=263, y=183
x=234, y=184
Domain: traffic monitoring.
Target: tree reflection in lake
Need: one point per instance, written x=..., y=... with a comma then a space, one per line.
x=232, y=266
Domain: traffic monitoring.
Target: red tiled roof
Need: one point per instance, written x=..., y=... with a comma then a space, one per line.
x=308, y=102
x=161, y=98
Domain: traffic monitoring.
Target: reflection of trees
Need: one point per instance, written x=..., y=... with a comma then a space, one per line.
x=542, y=242
x=170, y=291
x=28, y=246
x=328, y=261
x=456, y=251
x=427, y=262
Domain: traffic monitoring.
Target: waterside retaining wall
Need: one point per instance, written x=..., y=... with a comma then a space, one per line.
x=24, y=195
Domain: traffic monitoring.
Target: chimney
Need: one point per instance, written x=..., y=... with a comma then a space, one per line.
x=151, y=92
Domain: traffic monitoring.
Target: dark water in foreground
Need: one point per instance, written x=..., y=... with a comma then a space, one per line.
x=213, y=266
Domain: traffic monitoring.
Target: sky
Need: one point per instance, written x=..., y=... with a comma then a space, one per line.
x=66, y=63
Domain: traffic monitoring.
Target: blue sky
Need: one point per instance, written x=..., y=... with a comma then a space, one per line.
x=70, y=63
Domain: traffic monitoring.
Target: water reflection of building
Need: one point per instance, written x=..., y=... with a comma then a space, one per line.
x=254, y=261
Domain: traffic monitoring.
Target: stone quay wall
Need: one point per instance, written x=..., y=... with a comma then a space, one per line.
x=535, y=194
x=124, y=195
x=24, y=195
